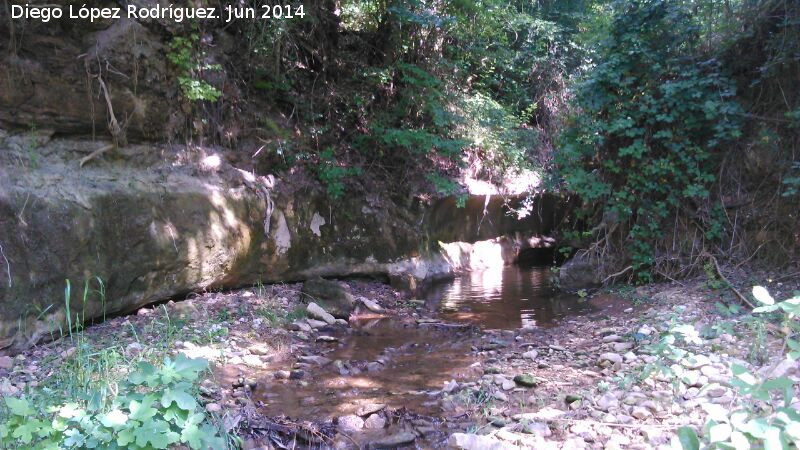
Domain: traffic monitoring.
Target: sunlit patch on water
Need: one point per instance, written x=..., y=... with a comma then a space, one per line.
x=504, y=298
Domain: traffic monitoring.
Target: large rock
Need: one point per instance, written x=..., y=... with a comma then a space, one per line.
x=333, y=296
x=157, y=222
x=578, y=273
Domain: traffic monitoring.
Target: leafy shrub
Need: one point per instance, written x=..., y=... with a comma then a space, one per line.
x=154, y=408
x=651, y=122
x=332, y=174
x=182, y=55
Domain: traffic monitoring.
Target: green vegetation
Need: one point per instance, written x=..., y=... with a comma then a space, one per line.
x=154, y=407
x=106, y=396
x=183, y=55
x=751, y=422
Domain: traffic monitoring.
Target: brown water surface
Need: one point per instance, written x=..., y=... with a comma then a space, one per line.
x=402, y=364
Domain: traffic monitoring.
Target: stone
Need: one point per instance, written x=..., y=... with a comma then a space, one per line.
x=370, y=305
x=394, y=440
x=370, y=408
x=133, y=349
x=213, y=407
x=253, y=361
x=317, y=312
x=6, y=362
x=296, y=374
x=607, y=401
x=466, y=441
x=621, y=347
x=570, y=398
x=531, y=354
x=609, y=359
x=349, y=424
x=695, y=361
x=315, y=324
x=327, y=339
x=500, y=396
x=314, y=359
x=374, y=422
x=333, y=296
x=300, y=325
x=259, y=349
x=578, y=273
x=526, y=380
x=641, y=413
x=507, y=385
x=546, y=413
x=612, y=338
x=450, y=386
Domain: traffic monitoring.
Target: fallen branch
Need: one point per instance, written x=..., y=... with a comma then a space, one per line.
x=730, y=285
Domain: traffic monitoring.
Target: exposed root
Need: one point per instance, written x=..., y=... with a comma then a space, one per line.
x=96, y=153
x=8, y=265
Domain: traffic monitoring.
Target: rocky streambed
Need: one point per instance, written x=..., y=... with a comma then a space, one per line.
x=436, y=372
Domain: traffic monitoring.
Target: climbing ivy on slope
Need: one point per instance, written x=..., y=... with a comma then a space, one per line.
x=651, y=119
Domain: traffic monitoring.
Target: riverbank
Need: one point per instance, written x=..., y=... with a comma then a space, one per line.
x=626, y=370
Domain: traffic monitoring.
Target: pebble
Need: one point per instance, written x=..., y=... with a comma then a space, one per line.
x=607, y=401
x=374, y=422
x=394, y=441
x=370, y=408
x=350, y=423
x=6, y=362
x=609, y=359
x=303, y=325
x=213, y=407
x=370, y=305
x=500, y=396
x=317, y=312
x=531, y=354
x=622, y=346
x=526, y=380
x=641, y=412
x=469, y=441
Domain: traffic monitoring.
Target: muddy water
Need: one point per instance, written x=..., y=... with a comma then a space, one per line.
x=401, y=362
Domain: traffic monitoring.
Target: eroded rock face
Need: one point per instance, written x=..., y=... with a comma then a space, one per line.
x=154, y=223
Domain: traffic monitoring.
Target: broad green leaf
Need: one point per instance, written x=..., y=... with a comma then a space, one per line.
x=125, y=436
x=143, y=411
x=24, y=432
x=144, y=374
x=19, y=406
x=719, y=432
x=739, y=441
x=74, y=438
x=184, y=400
x=71, y=410
x=688, y=438
x=773, y=439
x=761, y=294
x=715, y=412
x=114, y=419
x=155, y=432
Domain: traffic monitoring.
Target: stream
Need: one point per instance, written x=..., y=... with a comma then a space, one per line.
x=404, y=362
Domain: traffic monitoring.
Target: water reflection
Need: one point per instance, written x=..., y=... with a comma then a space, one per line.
x=503, y=298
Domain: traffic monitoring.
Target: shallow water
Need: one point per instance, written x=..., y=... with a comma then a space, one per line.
x=415, y=361
x=503, y=298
